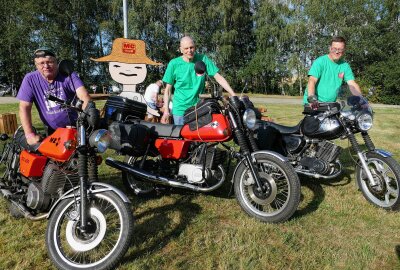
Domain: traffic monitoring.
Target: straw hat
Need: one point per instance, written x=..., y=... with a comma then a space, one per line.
x=127, y=51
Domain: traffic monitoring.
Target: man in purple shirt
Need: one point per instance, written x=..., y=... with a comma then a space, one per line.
x=35, y=88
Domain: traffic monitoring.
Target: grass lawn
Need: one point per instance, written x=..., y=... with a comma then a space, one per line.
x=334, y=227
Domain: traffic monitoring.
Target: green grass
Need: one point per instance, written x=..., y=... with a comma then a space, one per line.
x=334, y=227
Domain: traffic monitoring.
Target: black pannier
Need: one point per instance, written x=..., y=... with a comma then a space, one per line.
x=119, y=108
x=129, y=138
x=201, y=114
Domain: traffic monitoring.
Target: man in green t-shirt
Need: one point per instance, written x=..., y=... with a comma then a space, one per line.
x=188, y=85
x=327, y=74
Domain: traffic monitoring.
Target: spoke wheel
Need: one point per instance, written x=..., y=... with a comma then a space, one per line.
x=282, y=195
x=104, y=241
x=386, y=173
x=140, y=188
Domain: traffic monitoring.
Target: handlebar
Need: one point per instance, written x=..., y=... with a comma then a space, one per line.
x=77, y=107
x=56, y=99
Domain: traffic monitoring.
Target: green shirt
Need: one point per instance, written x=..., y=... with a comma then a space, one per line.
x=330, y=77
x=187, y=84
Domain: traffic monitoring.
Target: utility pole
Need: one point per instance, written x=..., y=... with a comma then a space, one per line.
x=125, y=8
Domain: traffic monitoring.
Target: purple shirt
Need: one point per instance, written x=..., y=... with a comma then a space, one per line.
x=34, y=89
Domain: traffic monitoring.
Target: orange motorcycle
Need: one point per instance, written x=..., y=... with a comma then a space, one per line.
x=197, y=156
x=90, y=223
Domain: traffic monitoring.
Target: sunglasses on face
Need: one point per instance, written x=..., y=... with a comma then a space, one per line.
x=336, y=50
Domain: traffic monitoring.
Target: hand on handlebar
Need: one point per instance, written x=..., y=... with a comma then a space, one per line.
x=34, y=139
x=313, y=101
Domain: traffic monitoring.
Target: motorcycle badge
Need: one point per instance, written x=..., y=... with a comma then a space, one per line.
x=214, y=124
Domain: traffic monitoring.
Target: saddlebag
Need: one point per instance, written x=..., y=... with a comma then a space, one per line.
x=119, y=108
x=201, y=114
x=129, y=138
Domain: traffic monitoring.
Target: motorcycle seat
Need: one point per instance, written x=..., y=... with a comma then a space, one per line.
x=282, y=129
x=163, y=130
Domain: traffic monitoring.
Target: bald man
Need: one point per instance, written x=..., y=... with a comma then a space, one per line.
x=187, y=84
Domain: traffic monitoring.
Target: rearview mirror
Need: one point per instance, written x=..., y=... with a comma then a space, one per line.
x=66, y=67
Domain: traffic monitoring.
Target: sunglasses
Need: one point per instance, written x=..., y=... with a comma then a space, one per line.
x=335, y=50
x=43, y=53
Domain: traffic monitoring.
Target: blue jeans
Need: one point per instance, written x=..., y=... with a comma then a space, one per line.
x=178, y=120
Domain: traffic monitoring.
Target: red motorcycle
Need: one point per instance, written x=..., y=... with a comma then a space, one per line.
x=90, y=223
x=197, y=156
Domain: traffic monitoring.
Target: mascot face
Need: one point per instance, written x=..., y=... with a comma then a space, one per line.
x=124, y=73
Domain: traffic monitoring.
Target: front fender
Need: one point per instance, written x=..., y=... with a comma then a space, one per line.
x=254, y=156
x=103, y=188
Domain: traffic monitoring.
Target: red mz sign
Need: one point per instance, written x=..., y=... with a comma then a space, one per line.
x=128, y=48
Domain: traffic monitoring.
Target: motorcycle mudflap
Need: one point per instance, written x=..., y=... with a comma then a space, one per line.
x=55, y=145
x=129, y=138
x=200, y=115
x=218, y=130
x=31, y=165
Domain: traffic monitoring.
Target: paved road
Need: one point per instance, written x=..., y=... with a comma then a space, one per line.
x=6, y=100
x=258, y=100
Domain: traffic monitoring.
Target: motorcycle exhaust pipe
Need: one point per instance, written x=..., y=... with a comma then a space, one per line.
x=158, y=179
x=22, y=209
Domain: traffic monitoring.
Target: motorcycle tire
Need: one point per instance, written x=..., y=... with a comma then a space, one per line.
x=105, y=242
x=139, y=188
x=283, y=197
x=386, y=172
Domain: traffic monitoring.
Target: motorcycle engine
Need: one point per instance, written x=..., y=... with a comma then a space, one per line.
x=53, y=184
x=316, y=165
x=326, y=153
x=193, y=173
x=210, y=157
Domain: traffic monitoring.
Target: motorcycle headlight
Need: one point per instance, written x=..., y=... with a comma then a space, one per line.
x=364, y=121
x=100, y=139
x=249, y=118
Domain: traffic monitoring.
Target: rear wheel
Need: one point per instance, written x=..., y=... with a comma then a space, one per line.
x=282, y=197
x=140, y=188
x=386, y=172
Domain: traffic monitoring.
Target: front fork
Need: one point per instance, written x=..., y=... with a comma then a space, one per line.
x=361, y=156
x=83, y=179
x=247, y=155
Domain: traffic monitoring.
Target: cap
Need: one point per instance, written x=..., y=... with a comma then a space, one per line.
x=43, y=52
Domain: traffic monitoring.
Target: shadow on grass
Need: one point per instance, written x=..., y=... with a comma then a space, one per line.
x=397, y=249
x=156, y=227
x=318, y=193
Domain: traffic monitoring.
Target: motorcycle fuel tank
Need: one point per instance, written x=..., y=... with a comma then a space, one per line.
x=60, y=145
x=323, y=128
x=218, y=130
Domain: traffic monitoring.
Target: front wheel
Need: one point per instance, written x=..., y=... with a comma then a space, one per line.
x=386, y=172
x=282, y=197
x=103, y=243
